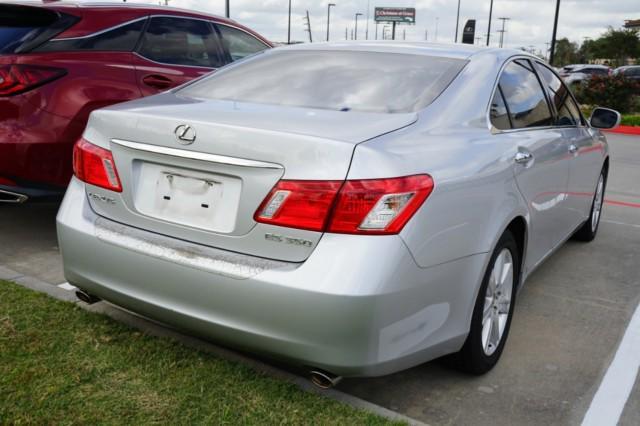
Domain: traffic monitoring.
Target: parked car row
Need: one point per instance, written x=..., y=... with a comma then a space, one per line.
x=60, y=61
x=578, y=73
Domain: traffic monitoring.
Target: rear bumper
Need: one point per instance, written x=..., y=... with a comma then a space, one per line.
x=358, y=306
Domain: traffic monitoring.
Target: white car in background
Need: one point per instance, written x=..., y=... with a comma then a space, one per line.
x=580, y=73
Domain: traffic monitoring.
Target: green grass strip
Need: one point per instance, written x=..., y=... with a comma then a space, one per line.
x=62, y=365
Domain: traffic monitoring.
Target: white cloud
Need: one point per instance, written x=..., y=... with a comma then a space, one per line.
x=531, y=21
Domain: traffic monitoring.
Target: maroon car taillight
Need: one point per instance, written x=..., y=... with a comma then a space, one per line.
x=20, y=78
x=369, y=206
x=95, y=165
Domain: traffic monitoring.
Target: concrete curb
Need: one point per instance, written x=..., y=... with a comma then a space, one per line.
x=159, y=330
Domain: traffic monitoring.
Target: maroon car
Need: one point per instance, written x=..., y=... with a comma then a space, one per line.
x=59, y=61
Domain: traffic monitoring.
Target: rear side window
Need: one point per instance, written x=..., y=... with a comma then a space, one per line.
x=524, y=96
x=24, y=27
x=568, y=113
x=119, y=39
x=499, y=113
x=238, y=43
x=180, y=41
x=333, y=80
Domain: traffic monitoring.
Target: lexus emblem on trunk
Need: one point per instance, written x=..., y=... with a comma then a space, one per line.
x=186, y=134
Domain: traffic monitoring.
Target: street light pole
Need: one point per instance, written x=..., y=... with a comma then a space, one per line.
x=457, y=22
x=555, y=30
x=227, y=10
x=489, y=29
x=329, y=17
x=356, y=30
x=289, y=27
x=366, y=31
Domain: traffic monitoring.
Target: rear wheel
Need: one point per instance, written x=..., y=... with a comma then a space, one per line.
x=589, y=229
x=493, y=309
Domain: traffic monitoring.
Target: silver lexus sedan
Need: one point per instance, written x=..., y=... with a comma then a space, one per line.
x=352, y=208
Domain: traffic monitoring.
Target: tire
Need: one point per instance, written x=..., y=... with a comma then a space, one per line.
x=481, y=350
x=587, y=232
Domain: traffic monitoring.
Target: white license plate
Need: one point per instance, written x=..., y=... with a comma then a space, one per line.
x=187, y=197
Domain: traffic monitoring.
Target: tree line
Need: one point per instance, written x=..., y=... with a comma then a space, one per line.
x=614, y=46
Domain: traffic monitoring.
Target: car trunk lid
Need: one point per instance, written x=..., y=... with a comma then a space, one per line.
x=198, y=170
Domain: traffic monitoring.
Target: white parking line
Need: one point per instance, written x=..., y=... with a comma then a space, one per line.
x=67, y=286
x=621, y=223
x=616, y=386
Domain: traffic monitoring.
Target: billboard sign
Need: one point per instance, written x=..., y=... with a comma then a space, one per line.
x=400, y=15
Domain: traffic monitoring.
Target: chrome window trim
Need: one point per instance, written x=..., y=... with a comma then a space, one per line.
x=211, y=21
x=494, y=130
x=196, y=155
x=167, y=64
x=97, y=33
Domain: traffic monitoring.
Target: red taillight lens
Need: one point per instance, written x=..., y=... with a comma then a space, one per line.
x=95, y=165
x=379, y=206
x=19, y=78
x=299, y=204
x=372, y=206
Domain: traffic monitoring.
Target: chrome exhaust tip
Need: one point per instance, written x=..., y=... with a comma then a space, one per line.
x=324, y=379
x=87, y=298
x=12, y=197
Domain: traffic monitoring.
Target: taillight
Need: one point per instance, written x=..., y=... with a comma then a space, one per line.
x=95, y=165
x=371, y=206
x=19, y=78
x=301, y=204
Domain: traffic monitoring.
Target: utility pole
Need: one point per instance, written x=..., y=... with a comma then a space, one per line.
x=289, y=28
x=346, y=33
x=426, y=35
x=329, y=6
x=227, y=9
x=309, y=28
x=356, y=31
x=552, y=52
x=404, y=34
x=377, y=30
x=351, y=33
x=457, y=22
x=502, y=31
x=546, y=52
x=393, y=30
x=489, y=29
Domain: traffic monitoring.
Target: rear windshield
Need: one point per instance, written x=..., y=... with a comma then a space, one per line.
x=335, y=80
x=25, y=27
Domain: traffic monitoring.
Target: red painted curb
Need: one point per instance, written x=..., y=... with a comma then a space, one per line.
x=626, y=130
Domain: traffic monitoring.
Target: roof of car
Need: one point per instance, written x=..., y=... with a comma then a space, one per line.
x=595, y=66
x=456, y=51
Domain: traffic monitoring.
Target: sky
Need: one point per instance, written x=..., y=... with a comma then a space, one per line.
x=530, y=24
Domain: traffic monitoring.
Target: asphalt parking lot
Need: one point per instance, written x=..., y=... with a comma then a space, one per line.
x=569, y=320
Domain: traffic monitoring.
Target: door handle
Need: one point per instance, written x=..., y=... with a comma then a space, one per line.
x=523, y=157
x=573, y=148
x=157, y=81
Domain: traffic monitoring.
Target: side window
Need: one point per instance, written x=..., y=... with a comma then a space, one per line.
x=120, y=39
x=568, y=112
x=524, y=96
x=240, y=44
x=180, y=41
x=499, y=113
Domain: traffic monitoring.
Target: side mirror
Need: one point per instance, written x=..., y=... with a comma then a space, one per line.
x=604, y=118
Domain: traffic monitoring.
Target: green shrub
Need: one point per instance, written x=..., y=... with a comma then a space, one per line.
x=630, y=120
x=614, y=91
